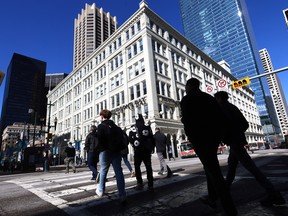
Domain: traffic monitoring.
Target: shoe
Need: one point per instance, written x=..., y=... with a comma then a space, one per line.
x=164, y=173
x=132, y=174
x=160, y=173
x=123, y=200
x=98, y=193
x=150, y=189
x=139, y=187
x=74, y=171
x=93, y=179
x=273, y=199
x=170, y=174
x=207, y=201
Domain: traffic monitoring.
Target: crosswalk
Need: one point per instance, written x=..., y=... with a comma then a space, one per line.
x=73, y=192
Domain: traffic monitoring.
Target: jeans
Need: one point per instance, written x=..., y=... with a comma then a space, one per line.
x=163, y=165
x=127, y=163
x=239, y=154
x=91, y=164
x=106, y=158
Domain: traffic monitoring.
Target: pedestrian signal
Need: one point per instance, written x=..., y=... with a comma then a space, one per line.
x=240, y=83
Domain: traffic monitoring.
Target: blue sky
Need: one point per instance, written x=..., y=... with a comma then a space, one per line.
x=43, y=29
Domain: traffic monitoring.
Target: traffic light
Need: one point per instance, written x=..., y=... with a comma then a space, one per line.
x=240, y=83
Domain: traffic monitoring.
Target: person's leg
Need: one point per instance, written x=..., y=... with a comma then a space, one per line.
x=249, y=164
x=137, y=164
x=208, y=157
x=105, y=160
x=116, y=163
x=127, y=163
x=148, y=164
x=232, y=166
x=72, y=163
x=67, y=164
x=91, y=164
x=162, y=164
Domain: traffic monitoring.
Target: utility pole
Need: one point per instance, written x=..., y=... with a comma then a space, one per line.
x=46, y=164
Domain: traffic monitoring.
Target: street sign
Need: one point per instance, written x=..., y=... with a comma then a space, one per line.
x=209, y=89
x=221, y=83
x=240, y=83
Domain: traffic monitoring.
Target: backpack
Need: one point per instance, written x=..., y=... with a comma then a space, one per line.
x=115, y=141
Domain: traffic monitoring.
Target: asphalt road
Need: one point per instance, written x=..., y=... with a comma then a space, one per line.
x=56, y=193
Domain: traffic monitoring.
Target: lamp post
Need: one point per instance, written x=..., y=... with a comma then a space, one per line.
x=46, y=164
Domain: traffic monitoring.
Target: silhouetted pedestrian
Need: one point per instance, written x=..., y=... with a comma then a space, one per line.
x=91, y=144
x=169, y=147
x=70, y=157
x=125, y=152
x=201, y=116
x=141, y=138
x=161, y=142
x=234, y=136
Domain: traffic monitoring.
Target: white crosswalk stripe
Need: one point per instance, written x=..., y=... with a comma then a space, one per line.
x=56, y=187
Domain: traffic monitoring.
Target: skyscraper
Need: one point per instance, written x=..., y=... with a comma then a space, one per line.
x=222, y=30
x=91, y=28
x=24, y=88
x=276, y=91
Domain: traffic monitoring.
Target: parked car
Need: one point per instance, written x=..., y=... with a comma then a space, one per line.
x=186, y=150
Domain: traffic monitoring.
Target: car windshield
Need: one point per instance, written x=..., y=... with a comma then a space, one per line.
x=186, y=147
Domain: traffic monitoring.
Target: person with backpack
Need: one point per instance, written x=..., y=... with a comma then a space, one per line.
x=124, y=154
x=111, y=143
x=91, y=144
x=141, y=138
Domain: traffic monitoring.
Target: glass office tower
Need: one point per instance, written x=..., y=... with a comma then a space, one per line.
x=223, y=31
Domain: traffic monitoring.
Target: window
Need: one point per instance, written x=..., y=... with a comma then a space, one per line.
x=140, y=45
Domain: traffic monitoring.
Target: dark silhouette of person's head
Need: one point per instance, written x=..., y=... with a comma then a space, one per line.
x=221, y=97
x=139, y=121
x=192, y=84
x=93, y=128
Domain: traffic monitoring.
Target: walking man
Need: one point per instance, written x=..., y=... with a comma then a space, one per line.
x=107, y=139
x=234, y=136
x=70, y=156
x=201, y=114
x=141, y=138
x=161, y=142
x=91, y=144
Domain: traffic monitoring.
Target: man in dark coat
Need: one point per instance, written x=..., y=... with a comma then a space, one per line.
x=141, y=138
x=91, y=146
x=235, y=125
x=161, y=143
x=201, y=116
x=70, y=157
